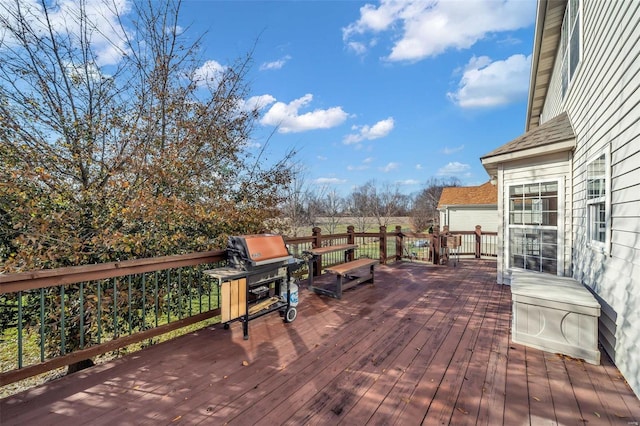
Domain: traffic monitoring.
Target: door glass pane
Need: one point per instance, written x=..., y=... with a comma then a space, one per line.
x=550, y=266
x=534, y=246
x=532, y=190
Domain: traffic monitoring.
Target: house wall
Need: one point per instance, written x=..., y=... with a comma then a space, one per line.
x=465, y=218
x=552, y=167
x=603, y=103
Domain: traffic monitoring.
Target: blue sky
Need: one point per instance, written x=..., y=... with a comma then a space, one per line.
x=393, y=91
x=396, y=91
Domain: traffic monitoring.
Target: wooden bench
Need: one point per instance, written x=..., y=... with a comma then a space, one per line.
x=347, y=271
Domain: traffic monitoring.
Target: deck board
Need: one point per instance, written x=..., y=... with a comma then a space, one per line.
x=426, y=344
x=540, y=400
x=492, y=401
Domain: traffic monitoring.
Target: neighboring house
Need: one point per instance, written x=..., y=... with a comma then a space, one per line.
x=461, y=208
x=569, y=187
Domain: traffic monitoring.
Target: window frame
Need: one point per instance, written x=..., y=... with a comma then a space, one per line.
x=592, y=202
x=558, y=227
x=571, y=22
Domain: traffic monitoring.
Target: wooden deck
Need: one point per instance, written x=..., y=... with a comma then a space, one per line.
x=425, y=344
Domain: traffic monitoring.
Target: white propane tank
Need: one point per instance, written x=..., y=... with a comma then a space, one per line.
x=293, y=293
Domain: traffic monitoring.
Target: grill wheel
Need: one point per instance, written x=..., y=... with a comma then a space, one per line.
x=290, y=315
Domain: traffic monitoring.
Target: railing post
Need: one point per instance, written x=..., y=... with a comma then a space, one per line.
x=383, y=244
x=435, y=245
x=317, y=243
x=351, y=239
x=444, y=243
x=399, y=243
x=478, y=241
x=316, y=232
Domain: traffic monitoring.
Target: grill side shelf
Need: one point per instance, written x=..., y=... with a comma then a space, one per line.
x=243, y=296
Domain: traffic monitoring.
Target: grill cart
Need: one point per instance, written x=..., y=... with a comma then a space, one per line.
x=258, y=280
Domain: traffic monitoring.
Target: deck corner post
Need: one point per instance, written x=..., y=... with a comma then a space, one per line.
x=317, y=243
x=435, y=245
x=399, y=242
x=383, y=244
x=478, y=250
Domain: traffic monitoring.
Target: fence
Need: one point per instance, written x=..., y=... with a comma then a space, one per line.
x=55, y=318
x=476, y=244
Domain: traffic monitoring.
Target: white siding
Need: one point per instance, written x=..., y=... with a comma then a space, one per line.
x=553, y=101
x=462, y=218
x=553, y=167
x=603, y=104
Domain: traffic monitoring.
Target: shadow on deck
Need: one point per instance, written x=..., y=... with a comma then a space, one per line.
x=424, y=344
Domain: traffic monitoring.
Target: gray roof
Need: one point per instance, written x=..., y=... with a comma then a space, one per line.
x=558, y=129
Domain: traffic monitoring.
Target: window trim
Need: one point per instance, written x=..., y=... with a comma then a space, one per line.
x=596, y=245
x=565, y=45
x=560, y=225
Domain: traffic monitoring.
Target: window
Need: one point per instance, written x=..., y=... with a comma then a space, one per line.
x=597, y=213
x=570, y=43
x=533, y=227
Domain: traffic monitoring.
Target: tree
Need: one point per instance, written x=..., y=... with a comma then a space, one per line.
x=360, y=206
x=332, y=207
x=385, y=203
x=118, y=142
x=425, y=206
x=295, y=202
x=136, y=154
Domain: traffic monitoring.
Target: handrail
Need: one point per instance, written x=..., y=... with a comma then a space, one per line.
x=31, y=280
x=24, y=282
x=387, y=246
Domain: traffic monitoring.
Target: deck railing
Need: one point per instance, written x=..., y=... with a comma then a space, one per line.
x=476, y=244
x=55, y=318
x=58, y=317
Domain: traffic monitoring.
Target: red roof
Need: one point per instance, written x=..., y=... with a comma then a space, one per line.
x=486, y=194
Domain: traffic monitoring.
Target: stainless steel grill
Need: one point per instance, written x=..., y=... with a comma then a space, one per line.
x=265, y=257
x=257, y=280
x=250, y=252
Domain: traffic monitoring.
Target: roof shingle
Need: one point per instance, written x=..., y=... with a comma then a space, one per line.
x=558, y=129
x=485, y=194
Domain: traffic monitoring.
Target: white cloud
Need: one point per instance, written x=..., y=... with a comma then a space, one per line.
x=389, y=167
x=106, y=37
x=257, y=102
x=408, y=182
x=289, y=120
x=366, y=164
x=428, y=28
x=453, y=169
x=488, y=84
x=373, y=19
x=209, y=74
x=448, y=151
x=418, y=166
x=357, y=47
x=322, y=158
x=379, y=130
x=253, y=144
x=275, y=65
x=329, y=181
x=85, y=72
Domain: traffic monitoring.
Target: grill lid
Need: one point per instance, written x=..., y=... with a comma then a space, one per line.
x=257, y=250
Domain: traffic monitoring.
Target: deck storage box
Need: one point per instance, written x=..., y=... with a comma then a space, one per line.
x=555, y=314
